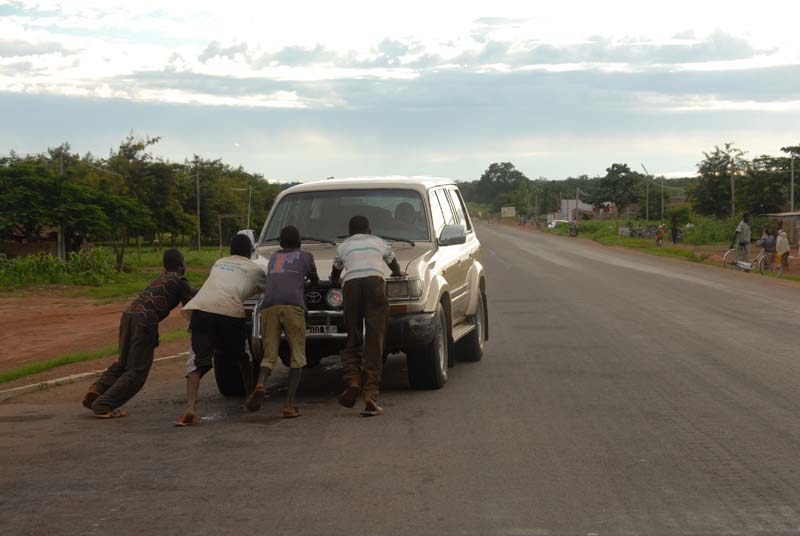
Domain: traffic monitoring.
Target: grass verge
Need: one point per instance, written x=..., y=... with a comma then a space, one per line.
x=647, y=245
x=79, y=357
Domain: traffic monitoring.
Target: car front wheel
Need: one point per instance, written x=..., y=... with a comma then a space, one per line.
x=471, y=347
x=427, y=366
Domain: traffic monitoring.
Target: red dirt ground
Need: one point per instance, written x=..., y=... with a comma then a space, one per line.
x=38, y=327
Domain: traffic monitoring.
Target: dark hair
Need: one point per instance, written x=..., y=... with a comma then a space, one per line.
x=745, y=215
x=359, y=225
x=173, y=260
x=241, y=245
x=290, y=237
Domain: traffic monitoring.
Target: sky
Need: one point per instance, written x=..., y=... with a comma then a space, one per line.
x=306, y=90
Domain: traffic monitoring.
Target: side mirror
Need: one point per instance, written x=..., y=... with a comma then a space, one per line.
x=251, y=234
x=453, y=235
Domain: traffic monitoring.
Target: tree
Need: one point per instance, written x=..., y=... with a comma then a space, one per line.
x=711, y=195
x=498, y=179
x=620, y=186
x=765, y=186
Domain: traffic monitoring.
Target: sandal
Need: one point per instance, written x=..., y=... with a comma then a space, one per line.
x=291, y=412
x=91, y=395
x=187, y=419
x=114, y=414
x=371, y=409
x=255, y=399
x=349, y=395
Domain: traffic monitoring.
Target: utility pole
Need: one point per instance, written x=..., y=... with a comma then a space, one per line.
x=792, y=201
x=646, y=193
x=62, y=243
x=733, y=172
x=662, y=198
x=197, y=177
x=249, y=199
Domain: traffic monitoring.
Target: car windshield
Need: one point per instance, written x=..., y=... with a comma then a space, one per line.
x=325, y=214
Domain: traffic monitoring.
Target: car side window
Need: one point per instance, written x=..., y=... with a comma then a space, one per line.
x=436, y=214
x=461, y=211
x=447, y=210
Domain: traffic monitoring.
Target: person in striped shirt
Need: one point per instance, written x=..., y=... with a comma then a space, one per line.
x=138, y=339
x=362, y=259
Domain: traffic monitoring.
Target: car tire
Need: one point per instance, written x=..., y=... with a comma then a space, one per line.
x=471, y=347
x=427, y=366
x=228, y=376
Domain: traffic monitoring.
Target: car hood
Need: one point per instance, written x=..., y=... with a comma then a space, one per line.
x=412, y=259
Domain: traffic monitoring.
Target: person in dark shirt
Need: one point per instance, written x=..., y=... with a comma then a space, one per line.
x=138, y=339
x=283, y=310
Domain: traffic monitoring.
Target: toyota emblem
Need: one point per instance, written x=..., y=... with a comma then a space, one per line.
x=313, y=297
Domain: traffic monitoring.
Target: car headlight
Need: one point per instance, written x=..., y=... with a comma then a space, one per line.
x=334, y=298
x=404, y=289
x=398, y=289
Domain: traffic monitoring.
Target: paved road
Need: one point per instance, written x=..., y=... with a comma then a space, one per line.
x=620, y=394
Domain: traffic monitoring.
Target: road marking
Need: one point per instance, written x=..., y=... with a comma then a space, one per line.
x=66, y=380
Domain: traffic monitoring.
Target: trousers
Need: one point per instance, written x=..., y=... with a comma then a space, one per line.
x=123, y=379
x=366, y=312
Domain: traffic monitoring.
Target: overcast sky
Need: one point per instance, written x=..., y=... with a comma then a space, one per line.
x=306, y=90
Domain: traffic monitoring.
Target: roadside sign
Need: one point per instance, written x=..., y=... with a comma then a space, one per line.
x=508, y=212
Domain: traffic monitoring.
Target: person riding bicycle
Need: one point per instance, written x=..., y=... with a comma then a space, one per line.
x=741, y=239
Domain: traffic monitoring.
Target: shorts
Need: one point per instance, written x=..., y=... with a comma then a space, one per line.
x=213, y=333
x=290, y=320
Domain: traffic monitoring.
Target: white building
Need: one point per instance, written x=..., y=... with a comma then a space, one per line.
x=567, y=211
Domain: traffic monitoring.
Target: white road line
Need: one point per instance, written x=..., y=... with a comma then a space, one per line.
x=66, y=380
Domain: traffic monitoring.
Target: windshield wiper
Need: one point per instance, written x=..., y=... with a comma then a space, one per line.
x=315, y=239
x=393, y=239
x=388, y=239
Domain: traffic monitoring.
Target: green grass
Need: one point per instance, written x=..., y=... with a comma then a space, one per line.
x=39, y=272
x=79, y=357
x=643, y=244
x=126, y=285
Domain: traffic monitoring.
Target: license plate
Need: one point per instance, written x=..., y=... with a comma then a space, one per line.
x=321, y=330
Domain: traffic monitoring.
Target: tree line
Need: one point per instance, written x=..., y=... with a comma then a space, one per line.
x=760, y=185
x=129, y=194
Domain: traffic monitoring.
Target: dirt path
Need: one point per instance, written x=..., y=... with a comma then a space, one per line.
x=38, y=327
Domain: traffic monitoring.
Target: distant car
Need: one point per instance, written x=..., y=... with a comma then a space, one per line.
x=553, y=224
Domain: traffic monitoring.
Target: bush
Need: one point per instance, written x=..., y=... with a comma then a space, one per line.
x=90, y=267
x=715, y=231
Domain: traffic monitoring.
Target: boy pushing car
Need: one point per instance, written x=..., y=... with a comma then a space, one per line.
x=363, y=258
x=217, y=319
x=138, y=339
x=283, y=310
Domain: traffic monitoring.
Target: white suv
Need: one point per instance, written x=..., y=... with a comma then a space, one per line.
x=437, y=313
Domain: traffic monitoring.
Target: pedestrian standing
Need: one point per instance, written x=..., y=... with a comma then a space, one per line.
x=782, y=248
x=741, y=239
x=362, y=259
x=283, y=309
x=138, y=339
x=217, y=320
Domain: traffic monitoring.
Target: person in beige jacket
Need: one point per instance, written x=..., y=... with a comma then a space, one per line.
x=217, y=319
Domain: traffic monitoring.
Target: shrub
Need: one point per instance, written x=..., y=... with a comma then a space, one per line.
x=90, y=267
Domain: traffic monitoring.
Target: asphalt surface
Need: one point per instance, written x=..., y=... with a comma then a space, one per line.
x=620, y=394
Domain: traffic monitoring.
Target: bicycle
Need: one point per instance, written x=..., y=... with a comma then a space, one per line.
x=764, y=262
